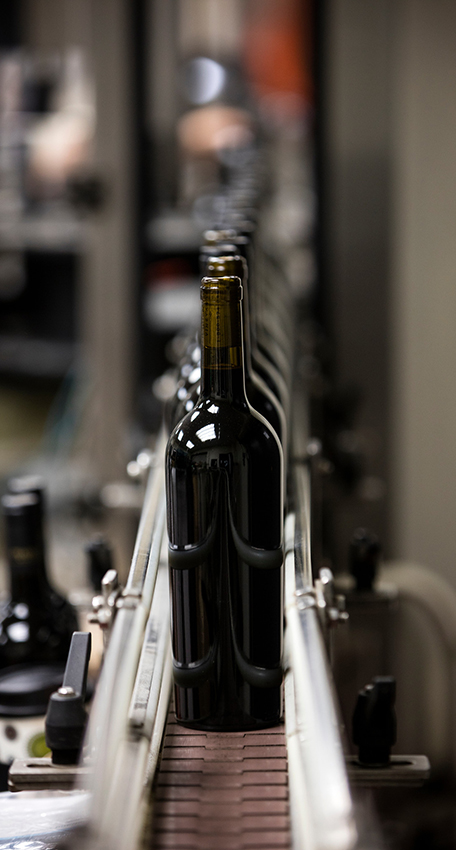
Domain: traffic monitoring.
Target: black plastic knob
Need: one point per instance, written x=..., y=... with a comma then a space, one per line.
x=365, y=551
x=99, y=556
x=374, y=722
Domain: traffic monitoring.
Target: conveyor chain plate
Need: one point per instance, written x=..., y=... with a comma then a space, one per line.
x=221, y=791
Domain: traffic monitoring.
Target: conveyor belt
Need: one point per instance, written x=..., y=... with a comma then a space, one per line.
x=223, y=791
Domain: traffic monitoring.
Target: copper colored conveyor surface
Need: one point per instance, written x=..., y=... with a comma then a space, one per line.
x=221, y=791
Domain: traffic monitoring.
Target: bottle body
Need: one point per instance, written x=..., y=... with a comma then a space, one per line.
x=224, y=491
x=225, y=569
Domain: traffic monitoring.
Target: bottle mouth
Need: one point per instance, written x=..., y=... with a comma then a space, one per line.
x=213, y=237
x=221, y=289
x=18, y=503
x=221, y=266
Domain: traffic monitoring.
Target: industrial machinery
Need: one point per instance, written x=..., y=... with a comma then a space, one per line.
x=325, y=778
x=153, y=783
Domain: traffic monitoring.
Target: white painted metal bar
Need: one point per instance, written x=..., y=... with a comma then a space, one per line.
x=321, y=807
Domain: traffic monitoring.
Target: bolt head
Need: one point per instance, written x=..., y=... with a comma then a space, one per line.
x=314, y=447
x=97, y=602
x=66, y=692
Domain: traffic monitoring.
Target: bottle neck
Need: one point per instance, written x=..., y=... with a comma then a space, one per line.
x=222, y=353
x=27, y=573
x=25, y=547
x=246, y=333
x=236, y=264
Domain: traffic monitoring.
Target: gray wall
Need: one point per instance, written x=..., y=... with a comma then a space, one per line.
x=392, y=252
x=423, y=311
x=391, y=77
x=358, y=77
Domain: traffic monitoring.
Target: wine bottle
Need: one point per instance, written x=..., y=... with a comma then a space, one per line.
x=270, y=330
x=36, y=623
x=189, y=378
x=259, y=395
x=224, y=496
x=262, y=364
x=36, y=485
x=32, y=484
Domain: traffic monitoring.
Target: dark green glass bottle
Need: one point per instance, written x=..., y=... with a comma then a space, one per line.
x=263, y=366
x=224, y=493
x=36, y=623
x=258, y=393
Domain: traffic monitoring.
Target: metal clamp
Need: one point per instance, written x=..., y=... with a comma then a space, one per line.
x=129, y=598
x=105, y=605
x=305, y=599
x=330, y=605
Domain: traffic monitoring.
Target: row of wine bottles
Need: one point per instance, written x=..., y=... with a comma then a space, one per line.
x=225, y=465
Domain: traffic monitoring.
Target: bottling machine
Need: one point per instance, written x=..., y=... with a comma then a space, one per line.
x=325, y=778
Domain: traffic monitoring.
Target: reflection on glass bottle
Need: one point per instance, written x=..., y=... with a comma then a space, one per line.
x=224, y=489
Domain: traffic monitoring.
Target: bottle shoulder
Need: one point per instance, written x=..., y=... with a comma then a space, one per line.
x=215, y=423
x=35, y=633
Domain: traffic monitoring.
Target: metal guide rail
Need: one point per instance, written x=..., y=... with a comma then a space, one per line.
x=156, y=784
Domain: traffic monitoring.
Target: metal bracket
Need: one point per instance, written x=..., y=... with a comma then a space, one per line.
x=305, y=599
x=330, y=605
x=113, y=597
x=405, y=771
x=129, y=598
x=36, y=774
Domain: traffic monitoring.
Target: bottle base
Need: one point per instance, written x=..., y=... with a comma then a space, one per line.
x=202, y=726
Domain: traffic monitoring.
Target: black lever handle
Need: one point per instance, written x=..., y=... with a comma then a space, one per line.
x=66, y=716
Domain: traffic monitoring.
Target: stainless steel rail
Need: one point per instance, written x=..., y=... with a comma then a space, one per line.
x=130, y=707
x=321, y=807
